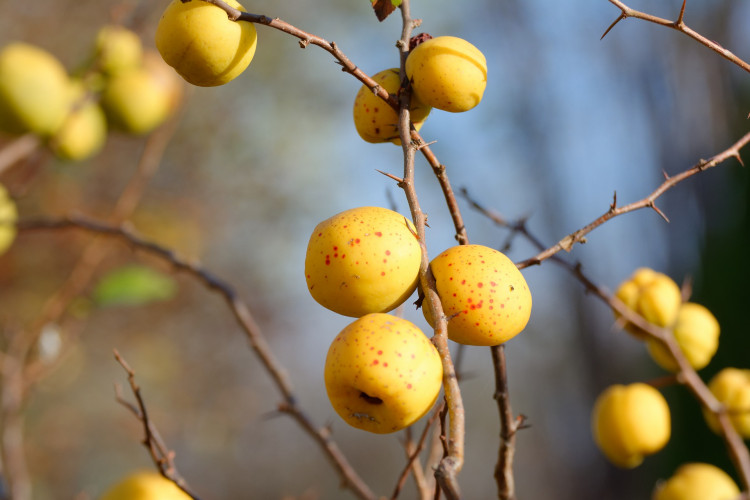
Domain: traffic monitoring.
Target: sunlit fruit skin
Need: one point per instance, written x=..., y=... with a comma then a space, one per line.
x=382, y=373
x=731, y=386
x=84, y=131
x=363, y=260
x=375, y=120
x=135, y=101
x=202, y=44
x=484, y=296
x=117, y=49
x=34, y=90
x=8, y=217
x=697, y=481
x=447, y=73
x=653, y=295
x=146, y=485
x=630, y=422
x=696, y=331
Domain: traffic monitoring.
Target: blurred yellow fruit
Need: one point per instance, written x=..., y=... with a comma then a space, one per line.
x=731, y=386
x=34, y=90
x=363, y=260
x=630, y=422
x=483, y=294
x=135, y=101
x=447, y=73
x=145, y=485
x=653, y=295
x=117, y=49
x=375, y=120
x=164, y=76
x=382, y=374
x=202, y=44
x=697, y=481
x=84, y=131
x=8, y=217
x=696, y=331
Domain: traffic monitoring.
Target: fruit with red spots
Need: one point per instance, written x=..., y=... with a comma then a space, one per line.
x=382, y=373
x=484, y=295
x=363, y=260
x=375, y=120
x=447, y=73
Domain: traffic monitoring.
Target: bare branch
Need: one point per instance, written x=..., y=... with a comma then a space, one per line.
x=680, y=26
x=648, y=202
x=161, y=455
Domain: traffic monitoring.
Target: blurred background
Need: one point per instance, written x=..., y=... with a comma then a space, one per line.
x=251, y=167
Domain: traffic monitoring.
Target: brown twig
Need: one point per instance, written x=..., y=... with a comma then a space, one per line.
x=506, y=489
x=449, y=467
x=678, y=25
x=242, y=314
x=649, y=201
x=162, y=456
x=413, y=455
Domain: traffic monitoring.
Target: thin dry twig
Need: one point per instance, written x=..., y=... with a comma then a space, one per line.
x=649, y=201
x=161, y=455
x=350, y=478
x=678, y=25
x=17, y=150
x=413, y=455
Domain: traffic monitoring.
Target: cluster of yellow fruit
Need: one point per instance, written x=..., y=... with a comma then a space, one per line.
x=381, y=372
x=128, y=88
x=630, y=422
x=146, y=485
x=445, y=72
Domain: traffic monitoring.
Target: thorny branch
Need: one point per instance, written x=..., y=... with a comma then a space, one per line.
x=678, y=25
x=687, y=376
x=350, y=479
x=649, y=201
x=161, y=455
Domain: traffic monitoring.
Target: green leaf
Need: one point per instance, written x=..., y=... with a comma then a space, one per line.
x=396, y=3
x=133, y=285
